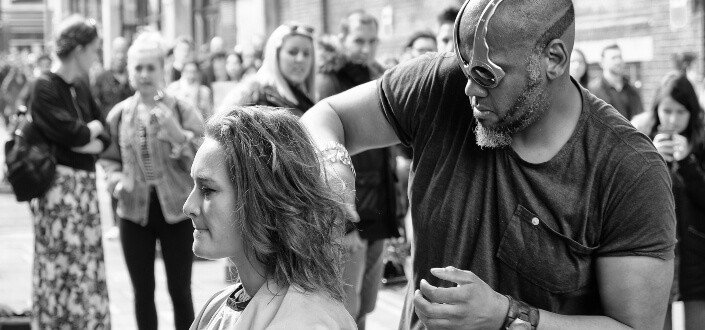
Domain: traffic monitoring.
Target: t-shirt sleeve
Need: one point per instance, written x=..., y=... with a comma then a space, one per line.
x=641, y=219
x=52, y=116
x=411, y=92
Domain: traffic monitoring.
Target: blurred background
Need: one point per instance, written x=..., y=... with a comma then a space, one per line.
x=648, y=31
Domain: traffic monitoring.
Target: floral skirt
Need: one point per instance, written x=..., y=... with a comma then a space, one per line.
x=69, y=289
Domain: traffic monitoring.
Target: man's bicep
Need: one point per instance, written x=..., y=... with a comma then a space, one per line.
x=364, y=124
x=635, y=289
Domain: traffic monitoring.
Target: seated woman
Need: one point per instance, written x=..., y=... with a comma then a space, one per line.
x=259, y=199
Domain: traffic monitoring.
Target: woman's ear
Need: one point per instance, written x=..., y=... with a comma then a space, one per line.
x=558, y=59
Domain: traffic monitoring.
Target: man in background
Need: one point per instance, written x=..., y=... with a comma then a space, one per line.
x=444, y=37
x=352, y=63
x=614, y=86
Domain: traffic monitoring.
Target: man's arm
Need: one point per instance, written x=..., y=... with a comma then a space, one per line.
x=353, y=118
x=634, y=293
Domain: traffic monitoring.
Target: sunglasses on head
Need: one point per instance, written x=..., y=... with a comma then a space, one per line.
x=302, y=29
x=480, y=68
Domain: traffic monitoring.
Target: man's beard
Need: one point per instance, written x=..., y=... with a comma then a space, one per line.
x=526, y=110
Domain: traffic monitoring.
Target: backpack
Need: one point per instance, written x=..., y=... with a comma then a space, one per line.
x=30, y=160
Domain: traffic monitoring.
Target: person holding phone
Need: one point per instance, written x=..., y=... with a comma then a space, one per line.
x=677, y=133
x=155, y=137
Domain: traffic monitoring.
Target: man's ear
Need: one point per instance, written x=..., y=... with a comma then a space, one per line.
x=558, y=59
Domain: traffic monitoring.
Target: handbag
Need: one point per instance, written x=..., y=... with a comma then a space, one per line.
x=30, y=160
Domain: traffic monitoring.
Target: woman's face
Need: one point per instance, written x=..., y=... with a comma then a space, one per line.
x=212, y=205
x=295, y=58
x=190, y=73
x=673, y=115
x=577, y=65
x=146, y=73
x=87, y=55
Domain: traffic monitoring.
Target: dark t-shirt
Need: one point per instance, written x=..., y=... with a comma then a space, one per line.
x=627, y=101
x=533, y=231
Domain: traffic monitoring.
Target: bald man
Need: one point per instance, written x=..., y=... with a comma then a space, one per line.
x=534, y=203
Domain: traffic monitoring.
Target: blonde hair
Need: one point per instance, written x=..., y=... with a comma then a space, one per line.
x=270, y=73
x=150, y=43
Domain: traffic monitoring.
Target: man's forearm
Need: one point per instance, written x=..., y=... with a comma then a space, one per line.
x=550, y=321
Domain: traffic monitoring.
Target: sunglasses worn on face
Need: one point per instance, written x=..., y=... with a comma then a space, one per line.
x=480, y=68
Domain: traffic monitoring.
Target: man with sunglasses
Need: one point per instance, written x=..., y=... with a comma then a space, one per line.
x=534, y=203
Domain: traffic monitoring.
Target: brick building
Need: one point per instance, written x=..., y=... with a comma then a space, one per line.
x=22, y=24
x=398, y=18
x=648, y=31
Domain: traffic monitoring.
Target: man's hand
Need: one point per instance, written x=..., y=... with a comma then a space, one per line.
x=472, y=304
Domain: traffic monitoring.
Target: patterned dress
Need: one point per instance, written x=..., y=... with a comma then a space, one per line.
x=69, y=283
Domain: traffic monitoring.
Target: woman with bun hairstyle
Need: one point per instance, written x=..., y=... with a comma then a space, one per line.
x=68, y=279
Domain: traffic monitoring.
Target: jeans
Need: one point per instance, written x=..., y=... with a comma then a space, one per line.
x=139, y=248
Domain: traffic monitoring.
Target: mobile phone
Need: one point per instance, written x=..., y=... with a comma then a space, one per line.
x=159, y=97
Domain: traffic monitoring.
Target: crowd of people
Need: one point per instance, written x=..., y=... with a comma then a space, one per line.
x=530, y=190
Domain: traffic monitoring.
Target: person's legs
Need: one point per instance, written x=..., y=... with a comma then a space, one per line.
x=353, y=269
x=668, y=323
x=374, y=268
x=694, y=314
x=692, y=276
x=176, y=241
x=138, y=246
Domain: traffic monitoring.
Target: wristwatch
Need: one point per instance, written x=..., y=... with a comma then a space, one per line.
x=520, y=315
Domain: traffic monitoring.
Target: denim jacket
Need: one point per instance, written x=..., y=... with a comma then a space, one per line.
x=172, y=164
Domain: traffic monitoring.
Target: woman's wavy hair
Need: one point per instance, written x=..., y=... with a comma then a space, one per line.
x=74, y=31
x=270, y=74
x=676, y=85
x=290, y=220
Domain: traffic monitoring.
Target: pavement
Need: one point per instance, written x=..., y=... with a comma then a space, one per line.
x=16, y=248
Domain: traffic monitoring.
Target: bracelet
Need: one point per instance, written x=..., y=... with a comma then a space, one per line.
x=334, y=152
x=520, y=315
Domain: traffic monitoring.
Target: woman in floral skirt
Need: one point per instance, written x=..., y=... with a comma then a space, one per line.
x=69, y=285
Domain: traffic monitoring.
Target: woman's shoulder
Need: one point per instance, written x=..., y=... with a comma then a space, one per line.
x=215, y=303
x=247, y=92
x=118, y=108
x=315, y=310
x=47, y=82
